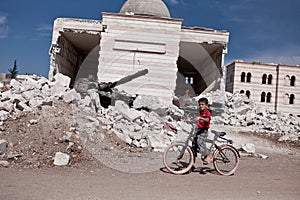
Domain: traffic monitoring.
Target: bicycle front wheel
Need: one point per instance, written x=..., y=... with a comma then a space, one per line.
x=178, y=158
x=226, y=160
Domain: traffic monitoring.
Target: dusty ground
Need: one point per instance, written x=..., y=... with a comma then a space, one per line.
x=112, y=170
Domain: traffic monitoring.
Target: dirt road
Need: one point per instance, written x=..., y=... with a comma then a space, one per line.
x=277, y=177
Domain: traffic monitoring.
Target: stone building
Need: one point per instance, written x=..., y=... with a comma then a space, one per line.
x=141, y=36
x=5, y=79
x=273, y=86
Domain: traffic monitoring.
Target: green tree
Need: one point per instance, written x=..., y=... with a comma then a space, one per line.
x=13, y=71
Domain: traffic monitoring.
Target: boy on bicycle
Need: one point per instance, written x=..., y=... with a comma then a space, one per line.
x=202, y=129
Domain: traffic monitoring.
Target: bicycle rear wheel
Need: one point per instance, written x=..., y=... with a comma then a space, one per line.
x=226, y=160
x=178, y=159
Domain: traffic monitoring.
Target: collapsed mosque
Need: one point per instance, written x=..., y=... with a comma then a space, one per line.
x=180, y=60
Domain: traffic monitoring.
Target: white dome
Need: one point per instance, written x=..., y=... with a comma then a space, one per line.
x=146, y=7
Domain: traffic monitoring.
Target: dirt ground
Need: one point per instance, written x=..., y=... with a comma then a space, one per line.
x=117, y=171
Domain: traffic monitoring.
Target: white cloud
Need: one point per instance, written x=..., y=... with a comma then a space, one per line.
x=173, y=2
x=44, y=30
x=3, y=26
x=44, y=27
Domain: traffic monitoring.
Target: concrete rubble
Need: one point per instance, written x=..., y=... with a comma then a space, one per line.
x=61, y=159
x=144, y=122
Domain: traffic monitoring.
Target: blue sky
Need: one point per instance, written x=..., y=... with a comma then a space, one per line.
x=260, y=30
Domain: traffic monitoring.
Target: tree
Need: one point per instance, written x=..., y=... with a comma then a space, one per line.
x=13, y=71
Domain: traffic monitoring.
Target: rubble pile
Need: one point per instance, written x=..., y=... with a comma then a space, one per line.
x=240, y=111
x=150, y=123
x=140, y=121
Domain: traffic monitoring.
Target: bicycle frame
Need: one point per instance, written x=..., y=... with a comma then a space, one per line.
x=218, y=135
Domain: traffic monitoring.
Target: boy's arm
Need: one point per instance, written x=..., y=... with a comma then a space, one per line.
x=205, y=119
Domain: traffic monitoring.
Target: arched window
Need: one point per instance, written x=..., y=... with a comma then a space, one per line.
x=286, y=98
x=264, y=79
x=270, y=79
x=292, y=98
x=263, y=97
x=243, y=75
x=242, y=92
x=293, y=80
x=269, y=95
x=248, y=77
x=287, y=80
x=248, y=94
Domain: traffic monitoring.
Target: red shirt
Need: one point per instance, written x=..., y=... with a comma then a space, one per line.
x=204, y=114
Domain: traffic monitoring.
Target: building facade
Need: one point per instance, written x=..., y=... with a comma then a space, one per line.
x=141, y=36
x=272, y=86
x=4, y=79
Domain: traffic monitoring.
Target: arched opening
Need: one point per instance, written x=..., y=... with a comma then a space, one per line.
x=270, y=77
x=248, y=77
x=287, y=80
x=263, y=97
x=292, y=98
x=199, y=68
x=243, y=76
x=264, y=79
x=242, y=92
x=188, y=78
x=293, y=80
x=269, y=95
x=248, y=94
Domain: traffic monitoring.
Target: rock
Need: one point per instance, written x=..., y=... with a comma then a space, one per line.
x=4, y=163
x=61, y=159
x=249, y=148
x=123, y=136
x=3, y=115
x=153, y=104
x=46, y=90
x=11, y=155
x=129, y=114
x=258, y=155
x=33, y=121
x=158, y=142
x=3, y=146
x=15, y=84
x=62, y=80
x=23, y=107
x=71, y=96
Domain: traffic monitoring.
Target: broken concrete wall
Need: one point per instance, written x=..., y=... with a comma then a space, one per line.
x=133, y=43
x=72, y=41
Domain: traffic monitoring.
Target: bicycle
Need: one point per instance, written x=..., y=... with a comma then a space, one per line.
x=179, y=157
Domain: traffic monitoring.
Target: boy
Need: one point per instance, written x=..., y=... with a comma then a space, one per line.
x=202, y=129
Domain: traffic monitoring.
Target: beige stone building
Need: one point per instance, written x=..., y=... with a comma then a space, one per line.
x=141, y=36
x=273, y=86
x=5, y=79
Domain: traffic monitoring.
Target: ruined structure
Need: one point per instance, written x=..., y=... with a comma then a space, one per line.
x=272, y=86
x=4, y=79
x=143, y=35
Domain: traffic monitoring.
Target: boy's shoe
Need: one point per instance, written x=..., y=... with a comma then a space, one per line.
x=207, y=160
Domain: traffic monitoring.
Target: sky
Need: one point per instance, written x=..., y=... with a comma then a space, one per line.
x=260, y=30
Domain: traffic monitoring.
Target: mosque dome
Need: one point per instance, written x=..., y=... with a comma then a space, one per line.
x=155, y=8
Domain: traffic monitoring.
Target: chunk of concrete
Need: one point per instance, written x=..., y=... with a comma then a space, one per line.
x=3, y=115
x=61, y=159
x=62, y=79
x=129, y=114
x=71, y=96
x=15, y=84
x=3, y=146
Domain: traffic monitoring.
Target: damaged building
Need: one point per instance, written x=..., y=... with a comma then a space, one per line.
x=180, y=60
